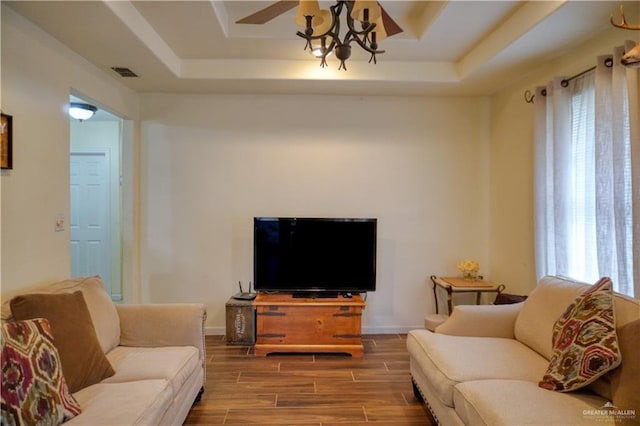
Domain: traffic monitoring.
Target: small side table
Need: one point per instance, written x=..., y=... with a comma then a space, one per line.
x=458, y=285
x=240, y=322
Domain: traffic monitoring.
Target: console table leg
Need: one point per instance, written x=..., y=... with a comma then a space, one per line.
x=449, y=299
x=435, y=295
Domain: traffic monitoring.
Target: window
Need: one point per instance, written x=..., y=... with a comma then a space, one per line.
x=582, y=255
x=583, y=183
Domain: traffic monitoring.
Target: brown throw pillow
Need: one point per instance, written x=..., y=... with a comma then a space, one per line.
x=82, y=359
x=585, y=344
x=626, y=378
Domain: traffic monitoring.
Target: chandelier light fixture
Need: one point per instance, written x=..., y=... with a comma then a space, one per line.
x=322, y=28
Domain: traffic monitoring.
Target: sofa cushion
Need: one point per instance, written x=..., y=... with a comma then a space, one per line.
x=34, y=390
x=449, y=360
x=172, y=363
x=625, y=379
x=482, y=320
x=103, y=312
x=141, y=402
x=517, y=402
x=541, y=310
x=82, y=359
x=585, y=345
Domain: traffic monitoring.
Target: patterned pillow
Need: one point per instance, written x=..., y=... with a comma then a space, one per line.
x=585, y=344
x=34, y=390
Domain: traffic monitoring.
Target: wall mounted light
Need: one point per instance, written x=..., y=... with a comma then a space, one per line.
x=81, y=111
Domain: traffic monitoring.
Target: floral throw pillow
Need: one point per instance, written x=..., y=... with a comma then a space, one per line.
x=34, y=390
x=585, y=344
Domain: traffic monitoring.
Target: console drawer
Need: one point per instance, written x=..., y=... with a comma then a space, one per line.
x=309, y=324
x=284, y=324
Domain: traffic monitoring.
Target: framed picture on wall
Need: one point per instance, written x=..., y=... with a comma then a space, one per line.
x=6, y=141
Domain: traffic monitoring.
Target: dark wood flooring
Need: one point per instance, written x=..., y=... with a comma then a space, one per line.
x=309, y=389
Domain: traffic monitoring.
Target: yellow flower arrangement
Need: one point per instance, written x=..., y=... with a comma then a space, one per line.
x=469, y=269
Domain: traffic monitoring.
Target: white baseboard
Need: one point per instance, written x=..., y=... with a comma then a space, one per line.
x=389, y=329
x=215, y=331
x=220, y=331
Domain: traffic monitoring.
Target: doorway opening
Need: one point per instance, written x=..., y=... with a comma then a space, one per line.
x=95, y=181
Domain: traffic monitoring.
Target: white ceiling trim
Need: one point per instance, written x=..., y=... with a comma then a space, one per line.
x=139, y=26
x=426, y=14
x=426, y=72
x=222, y=15
x=526, y=17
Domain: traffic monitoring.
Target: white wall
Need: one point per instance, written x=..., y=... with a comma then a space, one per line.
x=38, y=74
x=212, y=163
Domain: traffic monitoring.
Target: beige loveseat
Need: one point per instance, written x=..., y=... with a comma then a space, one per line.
x=157, y=352
x=482, y=366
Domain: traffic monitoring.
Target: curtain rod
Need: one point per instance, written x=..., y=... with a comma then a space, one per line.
x=528, y=96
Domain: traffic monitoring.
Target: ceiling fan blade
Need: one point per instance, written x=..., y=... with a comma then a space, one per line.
x=390, y=25
x=268, y=13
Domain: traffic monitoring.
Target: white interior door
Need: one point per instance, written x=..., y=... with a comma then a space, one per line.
x=89, y=225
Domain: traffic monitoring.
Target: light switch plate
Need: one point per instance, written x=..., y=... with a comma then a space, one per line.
x=59, y=222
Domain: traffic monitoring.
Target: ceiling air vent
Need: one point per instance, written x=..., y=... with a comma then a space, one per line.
x=124, y=72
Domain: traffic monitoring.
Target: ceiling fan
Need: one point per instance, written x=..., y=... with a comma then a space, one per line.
x=278, y=8
x=322, y=27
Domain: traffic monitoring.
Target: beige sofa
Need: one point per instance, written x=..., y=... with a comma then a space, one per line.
x=156, y=350
x=482, y=366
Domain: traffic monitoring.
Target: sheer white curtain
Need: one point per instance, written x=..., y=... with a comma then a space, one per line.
x=587, y=176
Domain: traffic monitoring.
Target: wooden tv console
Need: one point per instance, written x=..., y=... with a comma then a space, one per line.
x=288, y=324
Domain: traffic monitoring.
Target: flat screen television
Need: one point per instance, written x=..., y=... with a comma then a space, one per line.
x=314, y=256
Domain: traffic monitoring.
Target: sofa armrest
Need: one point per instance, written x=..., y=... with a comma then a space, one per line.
x=482, y=321
x=156, y=325
x=174, y=324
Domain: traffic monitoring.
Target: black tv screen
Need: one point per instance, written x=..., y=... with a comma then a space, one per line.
x=314, y=254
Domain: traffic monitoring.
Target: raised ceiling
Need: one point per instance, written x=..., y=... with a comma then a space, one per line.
x=447, y=47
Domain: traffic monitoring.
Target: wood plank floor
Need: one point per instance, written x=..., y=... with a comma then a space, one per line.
x=308, y=389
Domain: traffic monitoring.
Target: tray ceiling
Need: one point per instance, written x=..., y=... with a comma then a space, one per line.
x=447, y=47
